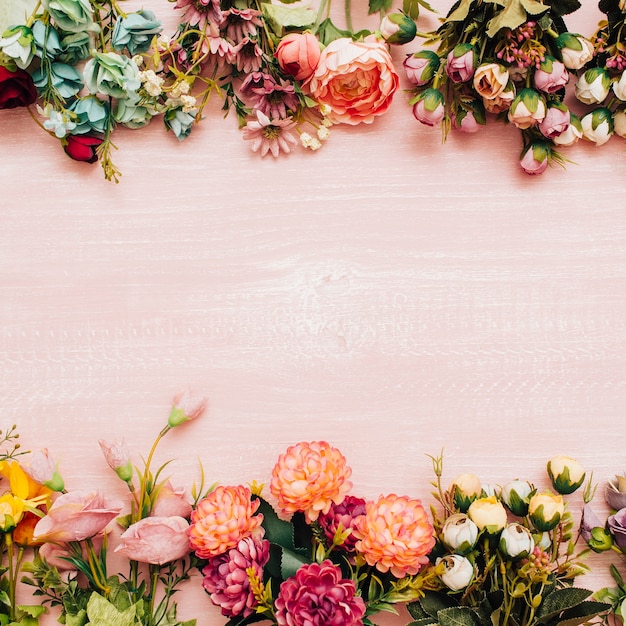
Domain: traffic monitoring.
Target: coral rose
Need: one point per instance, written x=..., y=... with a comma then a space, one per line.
x=310, y=477
x=395, y=535
x=155, y=540
x=355, y=79
x=222, y=519
x=318, y=596
x=298, y=54
x=76, y=516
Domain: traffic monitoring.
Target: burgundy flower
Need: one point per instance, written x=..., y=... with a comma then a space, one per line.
x=16, y=89
x=226, y=579
x=318, y=596
x=82, y=147
x=345, y=514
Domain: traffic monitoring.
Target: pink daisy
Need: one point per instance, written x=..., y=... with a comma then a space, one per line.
x=270, y=135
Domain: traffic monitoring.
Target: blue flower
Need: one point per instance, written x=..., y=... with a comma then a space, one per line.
x=135, y=31
x=64, y=78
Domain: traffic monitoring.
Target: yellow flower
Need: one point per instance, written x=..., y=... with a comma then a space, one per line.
x=11, y=511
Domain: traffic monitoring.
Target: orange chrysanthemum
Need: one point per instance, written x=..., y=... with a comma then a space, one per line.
x=310, y=477
x=395, y=535
x=222, y=519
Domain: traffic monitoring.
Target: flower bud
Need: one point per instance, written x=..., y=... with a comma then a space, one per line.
x=457, y=571
x=118, y=459
x=619, y=123
x=527, y=109
x=571, y=134
x=461, y=63
x=516, y=541
x=536, y=157
x=545, y=510
x=565, y=473
x=18, y=44
x=421, y=67
x=556, y=121
x=459, y=533
x=600, y=539
x=619, y=87
x=429, y=108
x=465, y=489
x=551, y=76
x=488, y=514
x=593, y=86
x=42, y=469
x=515, y=495
x=615, y=492
x=186, y=407
x=471, y=119
x=398, y=28
x=597, y=126
x=575, y=50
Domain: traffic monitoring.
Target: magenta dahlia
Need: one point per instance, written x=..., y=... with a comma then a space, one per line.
x=344, y=514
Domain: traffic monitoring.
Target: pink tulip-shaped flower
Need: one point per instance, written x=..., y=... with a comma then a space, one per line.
x=395, y=535
x=76, y=516
x=318, y=596
x=171, y=502
x=56, y=554
x=43, y=470
x=155, y=540
x=310, y=477
x=187, y=406
x=222, y=519
x=117, y=456
x=227, y=580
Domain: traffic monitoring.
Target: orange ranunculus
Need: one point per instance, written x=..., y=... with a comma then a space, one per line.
x=395, y=535
x=298, y=54
x=310, y=477
x=222, y=519
x=356, y=80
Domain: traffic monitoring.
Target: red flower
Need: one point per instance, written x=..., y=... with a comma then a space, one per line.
x=82, y=147
x=16, y=89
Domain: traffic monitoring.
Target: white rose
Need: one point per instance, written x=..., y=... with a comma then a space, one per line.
x=579, y=55
x=516, y=541
x=515, y=495
x=597, y=128
x=458, y=571
x=619, y=87
x=459, y=532
x=593, y=86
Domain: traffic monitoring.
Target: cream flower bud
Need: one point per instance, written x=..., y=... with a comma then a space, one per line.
x=619, y=87
x=619, y=123
x=565, y=473
x=459, y=533
x=488, y=514
x=545, y=510
x=597, y=126
x=575, y=49
x=465, y=488
x=457, y=571
x=515, y=495
x=593, y=86
x=516, y=541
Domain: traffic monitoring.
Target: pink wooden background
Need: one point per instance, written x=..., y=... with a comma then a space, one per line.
x=389, y=294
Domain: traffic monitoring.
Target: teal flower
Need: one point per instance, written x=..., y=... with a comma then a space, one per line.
x=63, y=78
x=91, y=114
x=130, y=114
x=71, y=15
x=112, y=74
x=179, y=122
x=135, y=31
x=47, y=41
x=76, y=47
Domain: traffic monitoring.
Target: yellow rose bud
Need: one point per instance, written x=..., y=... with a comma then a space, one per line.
x=545, y=510
x=488, y=514
x=565, y=473
x=465, y=488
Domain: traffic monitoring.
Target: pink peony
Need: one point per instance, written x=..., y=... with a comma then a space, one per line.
x=226, y=577
x=76, y=516
x=346, y=515
x=298, y=54
x=318, y=596
x=222, y=519
x=155, y=540
x=395, y=535
x=356, y=80
x=310, y=477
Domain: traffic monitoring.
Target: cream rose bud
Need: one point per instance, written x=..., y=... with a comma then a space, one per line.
x=573, y=133
x=398, y=28
x=457, y=571
x=619, y=123
x=465, y=488
x=593, y=86
x=545, y=510
x=527, y=109
x=490, y=80
x=459, y=533
x=565, y=473
x=516, y=495
x=619, y=87
x=516, y=541
x=597, y=126
x=488, y=514
x=575, y=50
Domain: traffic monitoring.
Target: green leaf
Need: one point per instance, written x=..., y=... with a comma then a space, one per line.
x=582, y=612
x=458, y=616
x=328, y=32
x=564, y=7
x=277, y=531
x=460, y=12
x=560, y=600
x=416, y=611
x=291, y=562
x=379, y=6
x=33, y=610
x=426, y=621
x=76, y=619
x=282, y=17
x=432, y=603
x=102, y=613
x=514, y=14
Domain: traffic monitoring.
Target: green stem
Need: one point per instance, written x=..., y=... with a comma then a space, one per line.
x=348, y=13
x=145, y=491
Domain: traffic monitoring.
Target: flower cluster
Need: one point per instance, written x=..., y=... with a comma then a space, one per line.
x=506, y=555
x=322, y=556
x=72, y=534
x=511, y=60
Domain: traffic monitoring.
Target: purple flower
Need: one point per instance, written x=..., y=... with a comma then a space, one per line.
x=617, y=526
x=345, y=514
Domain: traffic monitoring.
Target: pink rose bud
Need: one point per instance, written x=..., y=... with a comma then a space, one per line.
x=187, y=407
x=155, y=540
x=461, y=63
x=470, y=121
x=429, y=109
x=572, y=134
x=556, y=121
x=298, y=55
x=421, y=67
x=43, y=470
x=118, y=458
x=171, y=502
x=535, y=158
x=551, y=76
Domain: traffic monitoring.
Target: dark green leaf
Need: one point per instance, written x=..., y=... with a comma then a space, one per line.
x=378, y=6
x=291, y=563
x=416, y=611
x=560, y=600
x=458, y=616
x=328, y=32
x=433, y=602
x=276, y=530
x=564, y=7
x=426, y=621
x=582, y=612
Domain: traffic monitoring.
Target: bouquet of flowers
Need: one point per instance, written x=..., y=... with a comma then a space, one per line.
x=508, y=58
x=506, y=556
x=71, y=570
x=319, y=556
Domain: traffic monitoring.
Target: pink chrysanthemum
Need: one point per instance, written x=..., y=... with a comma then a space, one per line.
x=199, y=12
x=310, y=477
x=270, y=135
x=344, y=515
x=395, y=535
x=318, y=596
x=226, y=577
x=222, y=519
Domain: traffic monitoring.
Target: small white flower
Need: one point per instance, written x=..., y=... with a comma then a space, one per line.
x=306, y=139
x=315, y=144
x=188, y=103
x=323, y=133
x=138, y=59
x=458, y=571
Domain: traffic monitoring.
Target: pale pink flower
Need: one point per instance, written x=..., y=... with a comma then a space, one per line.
x=318, y=595
x=199, y=12
x=76, y=516
x=56, y=554
x=118, y=459
x=222, y=519
x=43, y=470
x=298, y=54
x=490, y=80
x=155, y=540
x=171, y=502
x=238, y=24
x=395, y=535
x=275, y=99
x=270, y=135
x=226, y=577
x=310, y=477
x=186, y=407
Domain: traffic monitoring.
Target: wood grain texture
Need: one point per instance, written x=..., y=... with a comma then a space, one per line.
x=390, y=294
